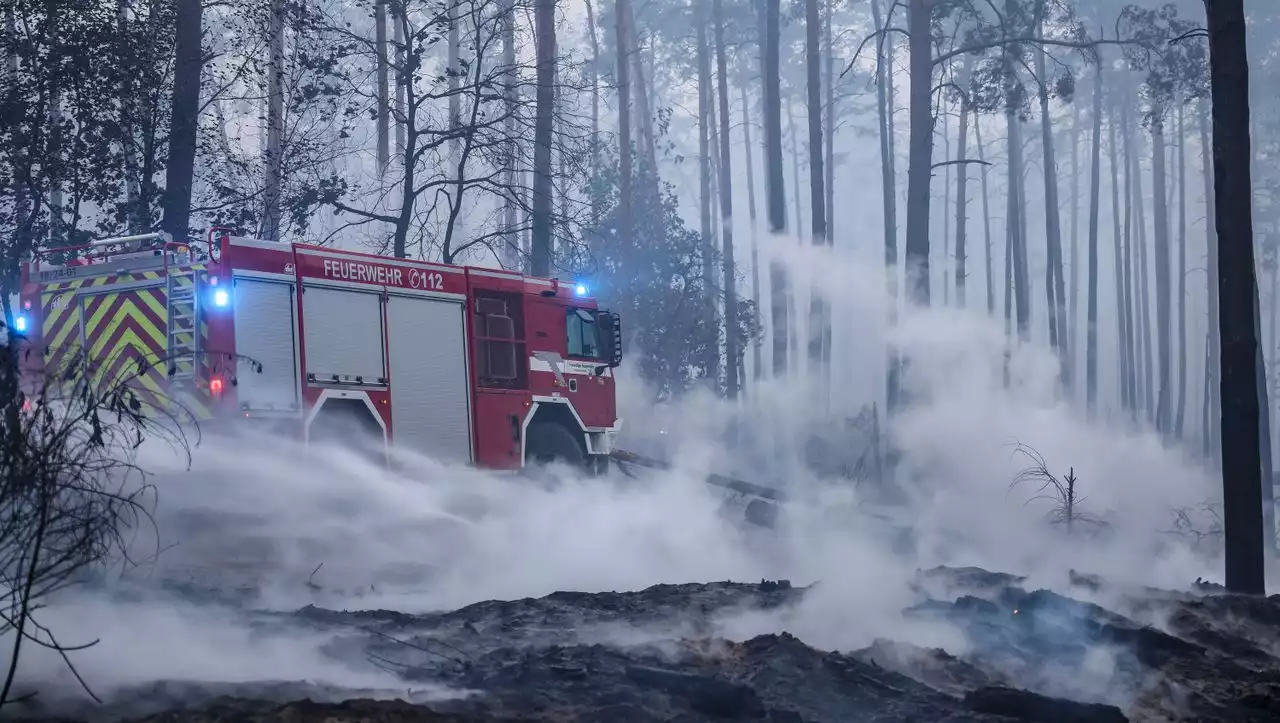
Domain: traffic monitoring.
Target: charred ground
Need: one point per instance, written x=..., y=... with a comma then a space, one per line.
x=660, y=654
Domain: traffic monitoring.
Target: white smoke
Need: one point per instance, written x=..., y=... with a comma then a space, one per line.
x=290, y=526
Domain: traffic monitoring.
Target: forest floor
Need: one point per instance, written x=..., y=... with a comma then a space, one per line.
x=658, y=655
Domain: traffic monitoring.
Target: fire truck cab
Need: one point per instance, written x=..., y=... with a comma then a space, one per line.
x=465, y=365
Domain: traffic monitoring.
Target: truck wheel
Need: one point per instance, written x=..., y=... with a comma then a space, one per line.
x=761, y=513
x=550, y=443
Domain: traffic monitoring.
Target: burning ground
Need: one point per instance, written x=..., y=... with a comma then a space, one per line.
x=679, y=652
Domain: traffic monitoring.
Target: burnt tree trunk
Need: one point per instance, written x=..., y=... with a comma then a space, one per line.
x=1179, y=418
x=511, y=240
x=1056, y=293
x=1118, y=270
x=757, y=343
x=275, y=123
x=920, y=156
x=508, y=58
x=1095, y=183
x=1164, y=327
x=947, y=163
x=383, y=91
x=648, y=150
x=888, y=187
x=712, y=360
x=1237, y=285
x=819, y=309
x=962, y=198
x=779, y=295
x=986, y=218
x=731, y=351
x=625, y=192
x=183, y=118
x=1148, y=395
x=1130, y=307
x=545, y=49
x=795, y=165
x=1016, y=224
x=829, y=114
x=1073, y=291
x=1214, y=369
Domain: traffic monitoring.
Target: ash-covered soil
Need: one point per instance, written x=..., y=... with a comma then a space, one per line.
x=659, y=655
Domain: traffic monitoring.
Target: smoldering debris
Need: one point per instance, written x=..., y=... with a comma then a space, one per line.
x=664, y=653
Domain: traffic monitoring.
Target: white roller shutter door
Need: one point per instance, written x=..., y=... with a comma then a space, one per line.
x=430, y=391
x=265, y=329
x=343, y=329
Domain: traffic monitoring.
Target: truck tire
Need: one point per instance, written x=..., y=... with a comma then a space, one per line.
x=762, y=514
x=550, y=443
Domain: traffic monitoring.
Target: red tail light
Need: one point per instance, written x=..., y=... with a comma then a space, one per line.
x=215, y=386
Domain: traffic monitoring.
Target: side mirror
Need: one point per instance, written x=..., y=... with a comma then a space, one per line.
x=609, y=324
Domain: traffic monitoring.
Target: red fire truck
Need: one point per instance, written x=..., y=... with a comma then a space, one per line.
x=463, y=364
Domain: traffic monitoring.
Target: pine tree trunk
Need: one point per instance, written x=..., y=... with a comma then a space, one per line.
x=1017, y=241
x=986, y=217
x=1133, y=288
x=384, y=100
x=795, y=167
x=649, y=148
x=1242, y=471
x=1010, y=241
x=1095, y=183
x=622, y=36
x=545, y=49
x=1148, y=386
x=134, y=214
x=920, y=160
x=1056, y=292
x=888, y=187
x=1120, y=269
x=455, y=94
x=757, y=343
x=779, y=295
x=962, y=198
x=1180, y=416
x=1133, y=253
x=402, y=90
x=275, y=123
x=510, y=94
x=946, y=203
x=594, y=77
x=712, y=361
x=732, y=354
x=1073, y=305
x=713, y=140
x=1164, y=326
x=1211, y=243
x=829, y=114
x=183, y=118
x=819, y=309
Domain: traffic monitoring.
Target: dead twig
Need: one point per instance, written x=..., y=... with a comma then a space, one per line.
x=1060, y=492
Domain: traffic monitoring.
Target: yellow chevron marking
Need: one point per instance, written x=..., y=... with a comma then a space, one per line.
x=99, y=337
x=61, y=321
x=130, y=341
x=155, y=304
x=96, y=306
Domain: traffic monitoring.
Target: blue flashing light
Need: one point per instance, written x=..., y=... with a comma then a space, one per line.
x=580, y=289
x=221, y=298
x=20, y=323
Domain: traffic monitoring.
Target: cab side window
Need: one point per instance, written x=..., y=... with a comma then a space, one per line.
x=499, y=342
x=584, y=340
